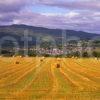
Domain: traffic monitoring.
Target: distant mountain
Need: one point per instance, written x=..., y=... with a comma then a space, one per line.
x=17, y=32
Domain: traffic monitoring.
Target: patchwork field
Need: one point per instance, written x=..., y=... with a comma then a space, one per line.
x=49, y=78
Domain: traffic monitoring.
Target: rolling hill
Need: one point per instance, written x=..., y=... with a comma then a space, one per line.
x=17, y=32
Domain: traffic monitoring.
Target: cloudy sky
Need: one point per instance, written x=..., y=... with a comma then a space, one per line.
x=81, y=15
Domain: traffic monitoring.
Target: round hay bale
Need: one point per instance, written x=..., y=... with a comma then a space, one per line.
x=58, y=66
x=43, y=57
x=17, y=62
x=58, y=59
x=41, y=60
x=20, y=56
x=13, y=56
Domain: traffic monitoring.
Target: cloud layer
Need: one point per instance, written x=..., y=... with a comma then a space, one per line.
x=80, y=14
x=76, y=4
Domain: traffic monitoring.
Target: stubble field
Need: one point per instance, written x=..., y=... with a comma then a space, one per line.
x=30, y=78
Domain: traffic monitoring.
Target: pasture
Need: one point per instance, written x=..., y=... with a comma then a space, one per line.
x=30, y=78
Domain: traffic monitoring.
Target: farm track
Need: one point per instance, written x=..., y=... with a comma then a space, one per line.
x=33, y=78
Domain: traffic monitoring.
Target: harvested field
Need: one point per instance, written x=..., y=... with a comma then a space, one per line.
x=29, y=78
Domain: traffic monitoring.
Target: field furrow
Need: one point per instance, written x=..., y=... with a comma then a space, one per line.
x=29, y=78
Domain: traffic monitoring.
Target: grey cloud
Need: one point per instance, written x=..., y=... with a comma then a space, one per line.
x=15, y=13
x=13, y=5
x=80, y=4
